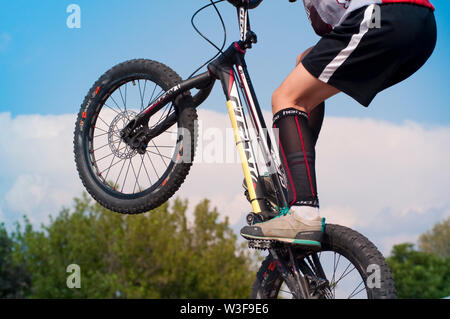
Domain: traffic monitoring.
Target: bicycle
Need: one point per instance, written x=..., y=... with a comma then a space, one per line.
x=155, y=143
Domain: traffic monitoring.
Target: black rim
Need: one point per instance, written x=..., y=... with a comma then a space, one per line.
x=117, y=168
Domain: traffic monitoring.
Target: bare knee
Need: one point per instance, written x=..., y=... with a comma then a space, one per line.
x=279, y=100
x=303, y=55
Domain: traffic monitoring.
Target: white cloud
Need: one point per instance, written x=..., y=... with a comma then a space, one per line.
x=392, y=176
x=388, y=181
x=377, y=177
x=38, y=168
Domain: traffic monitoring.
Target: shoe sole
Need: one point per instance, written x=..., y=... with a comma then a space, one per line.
x=303, y=242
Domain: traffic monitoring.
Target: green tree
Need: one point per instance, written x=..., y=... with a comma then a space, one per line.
x=155, y=255
x=14, y=280
x=419, y=274
x=437, y=240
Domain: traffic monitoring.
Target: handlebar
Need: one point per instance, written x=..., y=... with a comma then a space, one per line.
x=252, y=4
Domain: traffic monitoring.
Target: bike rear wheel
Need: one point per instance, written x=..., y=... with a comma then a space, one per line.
x=116, y=175
x=352, y=265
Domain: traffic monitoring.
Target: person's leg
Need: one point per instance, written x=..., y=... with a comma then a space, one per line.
x=299, y=124
x=299, y=109
x=301, y=91
x=317, y=114
x=316, y=119
x=348, y=60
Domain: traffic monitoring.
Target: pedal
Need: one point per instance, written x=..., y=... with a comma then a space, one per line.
x=261, y=244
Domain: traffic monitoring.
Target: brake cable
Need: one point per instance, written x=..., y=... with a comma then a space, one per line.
x=220, y=50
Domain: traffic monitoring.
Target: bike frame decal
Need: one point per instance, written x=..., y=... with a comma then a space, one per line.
x=165, y=97
x=269, y=149
x=241, y=135
x=243, y=22
x=249, y=174
x=256, y=121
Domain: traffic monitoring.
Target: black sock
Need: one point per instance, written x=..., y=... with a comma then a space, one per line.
x=297, y=140
x=316, y=120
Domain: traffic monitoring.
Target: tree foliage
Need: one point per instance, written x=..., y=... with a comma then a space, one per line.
x=156, y=255
x=437, y=240
x=14, y=280
x=418, y=274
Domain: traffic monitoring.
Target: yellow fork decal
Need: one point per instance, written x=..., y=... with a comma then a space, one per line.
x=244, y=160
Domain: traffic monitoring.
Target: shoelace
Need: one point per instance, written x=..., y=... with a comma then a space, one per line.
x=283, y=212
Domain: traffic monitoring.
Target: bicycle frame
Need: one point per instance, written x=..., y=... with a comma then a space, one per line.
x=298, y=265
x=230, y=68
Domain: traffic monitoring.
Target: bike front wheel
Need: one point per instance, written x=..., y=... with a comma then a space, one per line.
x=117, y=176
x=347, y=266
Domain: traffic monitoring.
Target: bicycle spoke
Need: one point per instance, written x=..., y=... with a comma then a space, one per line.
x=109, y=155
x=100, y=135
x=120, y=173
x=126, y=91
x=162, y=146
x=334, y=273
x=111, y=108
x=159, y=153
x=100, y=129
x=151, y=162
x=100, y=147
x=286, y=292
x=312, y=265
x=353, y=292
x=110, y=166
x=107, y=125
x=119, y=164
x=120, y=109
x=124, y=101
x=142, y=94
x=163, y=113
x=344, y=274
x=126, y=175
x=170, y=132
x=151, y=97
x=145, y=168
x=135, y=176
x=157, y=96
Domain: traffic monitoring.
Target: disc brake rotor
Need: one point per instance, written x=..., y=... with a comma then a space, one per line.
x=118, y=147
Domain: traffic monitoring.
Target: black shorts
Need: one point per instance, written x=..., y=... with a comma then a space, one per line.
x=362, y=57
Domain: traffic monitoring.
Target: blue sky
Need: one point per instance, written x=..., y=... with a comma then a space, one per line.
x=393, y=155
x=46, y=68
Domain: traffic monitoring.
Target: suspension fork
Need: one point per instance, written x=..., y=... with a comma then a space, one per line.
x=178, y=95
